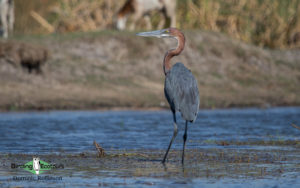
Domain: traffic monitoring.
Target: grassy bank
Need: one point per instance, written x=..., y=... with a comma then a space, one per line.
x=110, y=69
x=268, y=23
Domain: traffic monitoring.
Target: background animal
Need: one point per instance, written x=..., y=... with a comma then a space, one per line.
x=7, y=17
x=181, y=88
x=140, y=8
x=29, y=56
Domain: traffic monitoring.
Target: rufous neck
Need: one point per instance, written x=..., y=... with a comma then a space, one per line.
x=173, y=52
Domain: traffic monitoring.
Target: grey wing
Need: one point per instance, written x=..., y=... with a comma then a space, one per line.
x=181, y=90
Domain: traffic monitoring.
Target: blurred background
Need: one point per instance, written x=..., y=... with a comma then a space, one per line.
x=83, y=54
x=266, y=23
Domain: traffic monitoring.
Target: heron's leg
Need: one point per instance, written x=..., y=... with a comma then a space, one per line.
x=173, y=137
x=184, y=140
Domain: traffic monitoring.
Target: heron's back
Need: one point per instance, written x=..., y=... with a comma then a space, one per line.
x=182, y=92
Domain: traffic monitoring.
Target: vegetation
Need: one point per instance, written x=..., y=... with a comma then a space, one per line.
x=268, y=23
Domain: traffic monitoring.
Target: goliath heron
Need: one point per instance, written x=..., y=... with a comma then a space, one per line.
x=181, y=88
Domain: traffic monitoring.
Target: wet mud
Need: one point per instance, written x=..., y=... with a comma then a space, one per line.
x=228, y=164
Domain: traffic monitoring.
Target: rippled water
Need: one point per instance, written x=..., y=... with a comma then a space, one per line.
x=70, y=131
x=148, y=132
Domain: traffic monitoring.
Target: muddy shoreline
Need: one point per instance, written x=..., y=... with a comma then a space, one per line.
x=213, y=163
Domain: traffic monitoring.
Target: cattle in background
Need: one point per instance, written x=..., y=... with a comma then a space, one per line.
x=142, y=8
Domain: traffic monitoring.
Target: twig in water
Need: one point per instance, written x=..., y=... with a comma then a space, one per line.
x=100, y=150
x=297, y=127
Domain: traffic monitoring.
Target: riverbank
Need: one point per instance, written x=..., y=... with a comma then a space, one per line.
x=108, y=69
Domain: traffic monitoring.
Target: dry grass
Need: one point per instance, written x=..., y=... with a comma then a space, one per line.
x=266, y=23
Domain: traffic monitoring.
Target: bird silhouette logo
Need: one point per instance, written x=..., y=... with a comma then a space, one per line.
x=36, y=165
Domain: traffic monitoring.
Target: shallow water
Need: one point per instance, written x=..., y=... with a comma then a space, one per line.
x=38, y=132
x=244, y=132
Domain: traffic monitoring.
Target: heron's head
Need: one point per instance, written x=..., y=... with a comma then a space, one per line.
x=164, y=33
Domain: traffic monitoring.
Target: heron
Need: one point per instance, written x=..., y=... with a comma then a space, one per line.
x=181, y=88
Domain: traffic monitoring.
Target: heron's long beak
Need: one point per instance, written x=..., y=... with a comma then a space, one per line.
x=157, y=33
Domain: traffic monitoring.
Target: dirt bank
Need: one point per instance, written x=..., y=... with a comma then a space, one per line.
x=110, y=69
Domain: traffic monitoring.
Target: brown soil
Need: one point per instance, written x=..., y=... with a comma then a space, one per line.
x=110, y=69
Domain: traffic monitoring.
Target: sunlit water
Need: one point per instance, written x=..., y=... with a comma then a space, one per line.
x=75, y=131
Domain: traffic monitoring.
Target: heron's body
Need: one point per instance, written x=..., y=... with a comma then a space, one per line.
x=181, y=88
x=181, y=91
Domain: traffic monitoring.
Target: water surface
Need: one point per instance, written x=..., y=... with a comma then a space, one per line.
x=232, y=147
x=38, y=132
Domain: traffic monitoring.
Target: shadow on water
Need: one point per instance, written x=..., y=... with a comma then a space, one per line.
x=232, y=147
